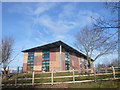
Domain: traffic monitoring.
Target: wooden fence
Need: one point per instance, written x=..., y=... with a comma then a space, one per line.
x=85, y=72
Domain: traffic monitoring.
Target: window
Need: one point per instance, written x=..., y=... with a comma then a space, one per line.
x=30, y=63
x=45, y=60
x=67, y=60
x=85, y=63
x=88, y=64
x=80, y=62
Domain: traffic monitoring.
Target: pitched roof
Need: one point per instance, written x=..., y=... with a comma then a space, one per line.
x=54, y=45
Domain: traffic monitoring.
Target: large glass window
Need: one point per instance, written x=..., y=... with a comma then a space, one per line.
x=88, y=64
x=30, y=63
x=45, y=60
x=85, y=63
x=80, y=62
x=67, y=60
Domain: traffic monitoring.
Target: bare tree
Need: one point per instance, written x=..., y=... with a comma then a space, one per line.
x=7, y=50
x=115, y=62
x=112, y=22
x=101, y=65
x=95, y=43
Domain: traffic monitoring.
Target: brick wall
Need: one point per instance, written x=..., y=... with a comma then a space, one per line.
x=25, y=62
x=52, y=58
x=38, y=61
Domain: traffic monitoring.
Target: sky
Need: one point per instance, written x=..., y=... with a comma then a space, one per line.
x=35, y=24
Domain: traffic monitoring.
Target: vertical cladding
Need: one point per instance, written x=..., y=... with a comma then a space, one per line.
x=63, y=59
x=35, y=60
x=76, y=63
x=24, y=67
x=54, y=59
x=25, y=57
x=83, y=63
x=38, y=61
x=53, y=55
x=71, y=60
x=58, y=59
x=25, y=62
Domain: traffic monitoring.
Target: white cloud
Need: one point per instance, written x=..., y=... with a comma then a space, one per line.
x=68, y=18
x=30, y=8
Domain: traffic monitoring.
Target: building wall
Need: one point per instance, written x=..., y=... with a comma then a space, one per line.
x=63, y=59
x=54, y=60
x=38, y=61
x=25, y=62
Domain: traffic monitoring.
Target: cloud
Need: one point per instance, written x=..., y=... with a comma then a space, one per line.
x=53, y=20
x=31, y=8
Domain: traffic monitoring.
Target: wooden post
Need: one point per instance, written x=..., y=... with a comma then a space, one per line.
x=52, y=77
x=113, y=71
x=94, y=74
x=16, y=77
x=73, y=75
x=0, y=79
x=16, y=80
x=33, y=75
x=106, y=70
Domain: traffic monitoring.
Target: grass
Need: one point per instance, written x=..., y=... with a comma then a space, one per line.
x=103, y=84
x=57, y=79
x=63, y=74
x=21, y=76
x=37, y=75
x=63, y=79
x=100, y=84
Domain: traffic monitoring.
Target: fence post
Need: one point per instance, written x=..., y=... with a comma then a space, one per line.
x=73, y=75
x=0, y=79
x=16, y=77
x=113, y=71
x=94, y=74
x=52, y=77
x=106, y=70
x=33, y=75
x=16, y=80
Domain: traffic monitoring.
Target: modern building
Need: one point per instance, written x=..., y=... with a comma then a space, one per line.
x=53, y=56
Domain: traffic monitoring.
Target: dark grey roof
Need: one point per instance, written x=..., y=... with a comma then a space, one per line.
x=54, y=45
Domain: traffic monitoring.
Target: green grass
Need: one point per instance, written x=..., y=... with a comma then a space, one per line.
x=63, y=74
x=56, y=79
x=43, y=75
x=30, y=75
x=103, y=84
x=42, y=80
x=63, y=79
x=99, y=84
x=21, y=76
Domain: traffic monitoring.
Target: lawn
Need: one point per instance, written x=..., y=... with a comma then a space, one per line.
x=103, y=84
x=98, y=84
x=23, y=76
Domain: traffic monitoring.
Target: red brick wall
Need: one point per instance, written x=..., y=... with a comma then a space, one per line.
x=38, y=60
x=63, y=60
x=53, y=59
x=53, y=55
x=76, y=62
x=24, y=67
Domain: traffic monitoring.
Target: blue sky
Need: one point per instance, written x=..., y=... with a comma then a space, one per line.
x=35, y=24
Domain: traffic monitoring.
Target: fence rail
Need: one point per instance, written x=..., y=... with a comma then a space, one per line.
x=93, y=72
